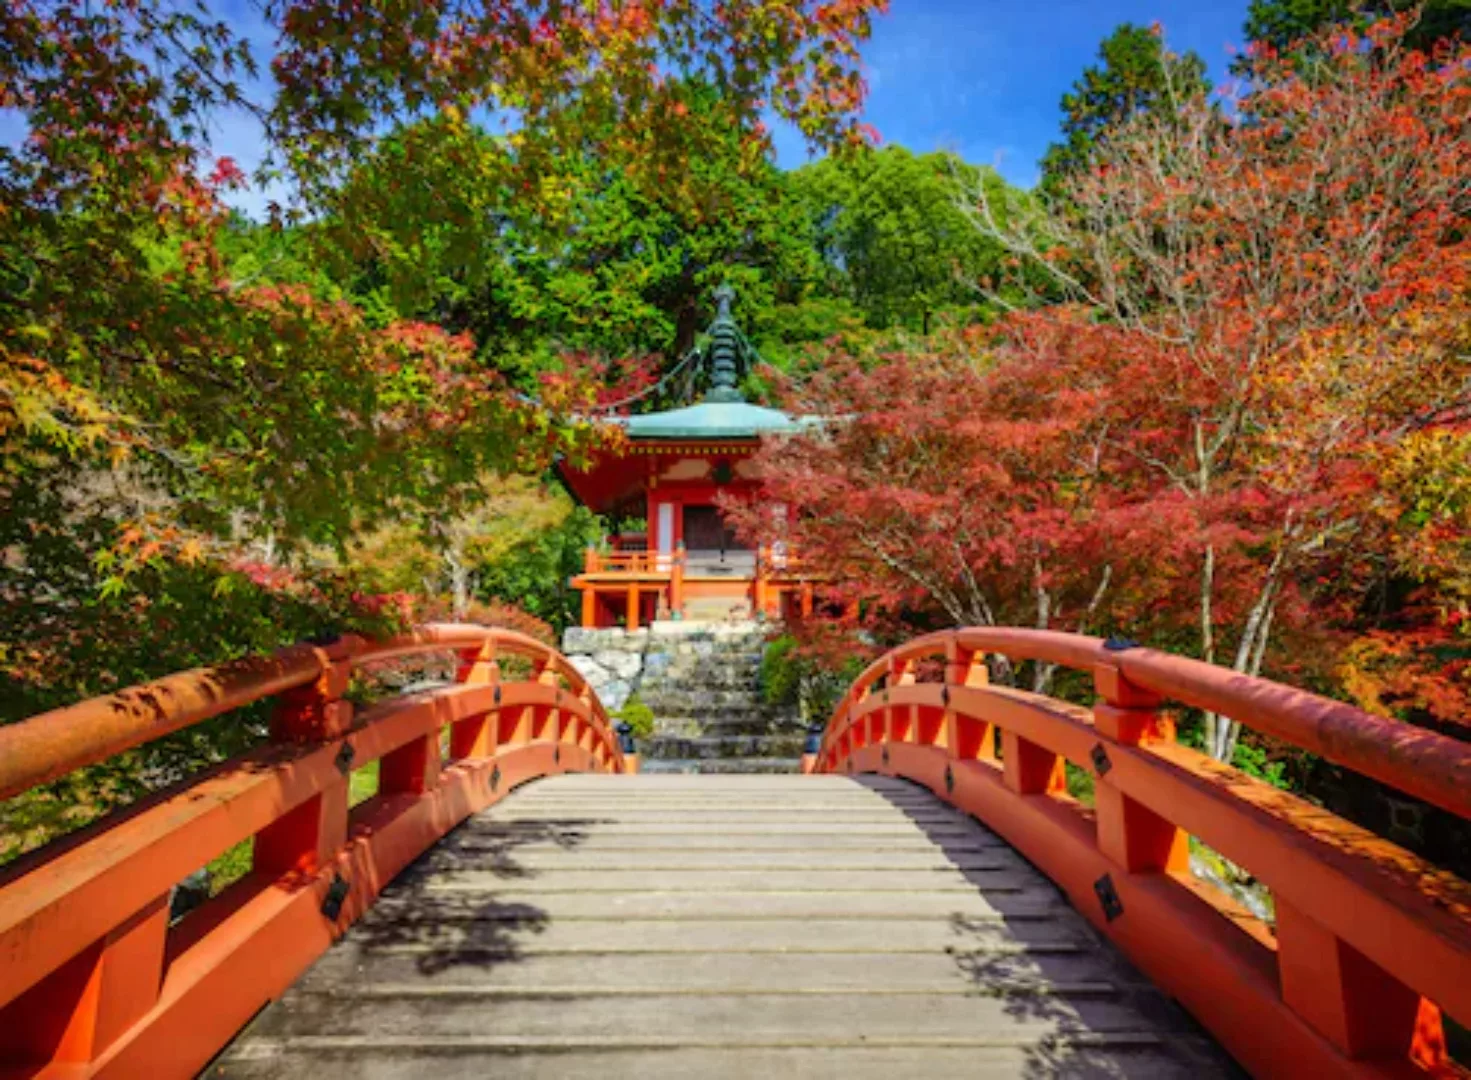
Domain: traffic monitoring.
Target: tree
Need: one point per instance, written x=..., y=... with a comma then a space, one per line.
x=246, y=409
x=189, y=415
x=617, y=264
x=1284, y=296
x=893, y=235
x=1282, y=24
x=1136, y=73
x=943, y=491
x=520, y=543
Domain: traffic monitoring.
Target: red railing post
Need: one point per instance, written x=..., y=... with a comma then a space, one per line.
x=317, y=711
x=475, y=736
x=1342, y=994
x=965, y=668
x=80, y=1009
x=1130, y=834
x=759, y=587
x=676, y=583
x=308, y=835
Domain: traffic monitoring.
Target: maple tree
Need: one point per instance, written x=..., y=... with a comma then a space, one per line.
x=1264, y=309
x=189, y=434
x=941, y=485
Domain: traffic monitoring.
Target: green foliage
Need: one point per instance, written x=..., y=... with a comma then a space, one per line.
x=781, y=671
x=534, y=572
x=636, y=715
x=895, y=236
x=1135, y=73
x=609, y=260
x=793, y=678
x=1253, y=755
x=1079, y=783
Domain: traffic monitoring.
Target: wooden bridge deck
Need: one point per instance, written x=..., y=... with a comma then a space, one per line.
x=721, y=926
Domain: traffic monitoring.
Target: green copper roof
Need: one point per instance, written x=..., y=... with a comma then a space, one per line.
x=712, y=420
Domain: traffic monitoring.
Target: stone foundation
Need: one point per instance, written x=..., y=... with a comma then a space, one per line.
x=701, y=680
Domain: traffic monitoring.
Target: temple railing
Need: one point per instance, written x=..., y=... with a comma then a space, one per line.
x=1370, y=942
x=95, y=978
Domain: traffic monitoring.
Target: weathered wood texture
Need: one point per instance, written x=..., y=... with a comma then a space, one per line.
x=721, y=926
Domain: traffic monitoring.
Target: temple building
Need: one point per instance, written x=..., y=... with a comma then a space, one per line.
x=670, y=472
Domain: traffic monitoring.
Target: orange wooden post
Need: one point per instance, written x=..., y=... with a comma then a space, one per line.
x=1130, y=834
x=759, y=590
x=317, y=711
x=676, y=583
x=81, y=1008
x=590, y=561
x=310, y=834
x=1346, y=997
x=633, y=607
x=806, y=599
x=1030, y=769
x=966, y=667
x=412, y=769
x=475, y=736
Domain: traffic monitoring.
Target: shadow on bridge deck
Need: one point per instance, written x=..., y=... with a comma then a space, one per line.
x=722, y=926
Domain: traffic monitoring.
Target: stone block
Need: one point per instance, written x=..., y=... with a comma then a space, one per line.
x=625, y=665
x=596, y=675
x=657, y=664
x=614, y=694
x=576, y=639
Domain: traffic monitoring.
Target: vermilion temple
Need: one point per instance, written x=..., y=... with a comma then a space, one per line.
x=671, y=471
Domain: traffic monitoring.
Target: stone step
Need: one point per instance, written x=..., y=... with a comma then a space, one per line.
x=728, y=722
x=978, y=1058
x=700, y=748
x=724, y=765
x=678, y=701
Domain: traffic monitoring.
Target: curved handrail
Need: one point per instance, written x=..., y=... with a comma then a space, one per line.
x=52, y=744
x=92, y=909
x=1420, y=763
x=1370, y=941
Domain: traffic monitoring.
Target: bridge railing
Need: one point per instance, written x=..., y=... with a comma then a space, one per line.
x=95, y=980
x=1369, y=942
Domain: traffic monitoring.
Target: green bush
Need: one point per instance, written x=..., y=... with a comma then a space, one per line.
x=638, y=716
x=792, y=678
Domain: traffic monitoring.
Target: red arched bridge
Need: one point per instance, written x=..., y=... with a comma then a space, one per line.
x=514, y=899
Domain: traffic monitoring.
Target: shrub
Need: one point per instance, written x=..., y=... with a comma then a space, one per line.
x=638, y=716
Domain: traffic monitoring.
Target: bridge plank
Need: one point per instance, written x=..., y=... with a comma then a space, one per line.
x=721, y=926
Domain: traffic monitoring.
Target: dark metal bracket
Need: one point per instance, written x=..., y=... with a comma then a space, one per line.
x=1101, y=764
x=1108, y=896
x=336, y=894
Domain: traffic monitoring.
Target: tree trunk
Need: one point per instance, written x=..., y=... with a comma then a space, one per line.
x=1213, y=722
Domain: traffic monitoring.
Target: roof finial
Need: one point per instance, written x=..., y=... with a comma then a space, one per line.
x=725, y=350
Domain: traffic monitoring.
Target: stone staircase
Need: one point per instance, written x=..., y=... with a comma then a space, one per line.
x=701, y=680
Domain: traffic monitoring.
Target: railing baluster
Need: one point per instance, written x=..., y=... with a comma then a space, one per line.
x=1030, y=769
x=475, y=736
x=80, y=1009
x=1129, y=833
x=307, y=836
x=1347, y=998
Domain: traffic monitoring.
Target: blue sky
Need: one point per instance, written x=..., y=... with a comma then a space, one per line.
x=982, y=78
